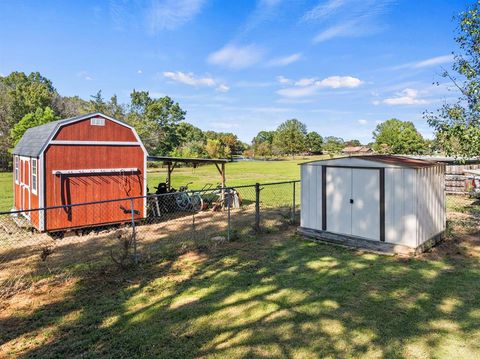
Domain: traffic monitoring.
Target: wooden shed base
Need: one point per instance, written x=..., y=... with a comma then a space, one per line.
x=368, y=245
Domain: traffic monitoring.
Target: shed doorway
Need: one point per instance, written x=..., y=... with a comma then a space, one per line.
x=353, y=203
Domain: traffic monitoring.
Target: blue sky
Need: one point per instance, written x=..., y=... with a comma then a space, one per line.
x=340, y=66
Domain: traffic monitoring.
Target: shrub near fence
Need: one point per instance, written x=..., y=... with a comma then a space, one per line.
x=174, y=221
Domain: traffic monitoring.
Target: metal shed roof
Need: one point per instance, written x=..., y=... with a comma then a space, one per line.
x=36, y=138
x=402, y=161
x=167, y=159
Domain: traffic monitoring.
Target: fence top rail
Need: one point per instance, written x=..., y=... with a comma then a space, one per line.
x=153, y=195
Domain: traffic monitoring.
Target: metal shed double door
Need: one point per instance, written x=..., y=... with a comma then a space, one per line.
x=352, y=201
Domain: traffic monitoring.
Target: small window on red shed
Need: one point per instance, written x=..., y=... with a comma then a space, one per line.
x=97, y=121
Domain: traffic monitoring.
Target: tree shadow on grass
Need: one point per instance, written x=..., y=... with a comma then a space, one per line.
x=276, y=296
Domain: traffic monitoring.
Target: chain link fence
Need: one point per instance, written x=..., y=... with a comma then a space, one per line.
x=463, y=211
x=128, y=232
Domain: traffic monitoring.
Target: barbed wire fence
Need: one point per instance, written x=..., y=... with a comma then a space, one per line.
x=131, y=232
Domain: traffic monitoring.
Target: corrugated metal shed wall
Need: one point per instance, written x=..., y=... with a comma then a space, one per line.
x=430, y=202
x=414, y=200
x=400, y=206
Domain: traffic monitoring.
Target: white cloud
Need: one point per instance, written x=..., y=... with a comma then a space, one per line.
x=362, y=122
x=347, y=18
x=309, y=86
x=342, y=30
x=283, y=80
x=305, y=81
x=189, y=78
x=223, y=88
x=286, y=60
x=192, y=80
x=85, y=75
x=139, y=72
x=434, y=61
x=323, y=9
x=264, y=11
x=236, y=57
x=406, y=97
x=171, y=14
x=340, y=81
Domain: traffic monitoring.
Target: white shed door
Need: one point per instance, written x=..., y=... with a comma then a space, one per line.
x=353, y=201
x=366, y=203
x=338, y=191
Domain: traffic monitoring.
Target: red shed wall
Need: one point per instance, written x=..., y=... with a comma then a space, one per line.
x=84, y=131
x=71, y=189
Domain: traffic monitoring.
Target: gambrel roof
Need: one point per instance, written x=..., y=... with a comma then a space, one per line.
x=35, y=139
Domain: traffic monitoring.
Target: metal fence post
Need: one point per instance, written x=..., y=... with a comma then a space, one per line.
x=257, y=207
x=293, y=204
x=229, y=196
x=193, y=227
x=134, y=233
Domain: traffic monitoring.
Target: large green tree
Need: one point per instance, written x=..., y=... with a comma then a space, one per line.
x=290, y=137
x=262, y=144
x=457, y=125
x=39, y=117
x=333, y=145
x=156, y=121
x=20, y=94
x=27, y=93
x=398, y=137
x=314, y=143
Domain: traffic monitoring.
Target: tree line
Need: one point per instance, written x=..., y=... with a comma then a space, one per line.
x=31, y=100
x=28, y=100
x=292, y=138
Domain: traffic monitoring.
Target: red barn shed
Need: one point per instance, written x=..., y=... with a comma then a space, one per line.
x=81, y=159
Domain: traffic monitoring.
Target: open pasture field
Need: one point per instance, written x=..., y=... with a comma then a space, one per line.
x=238, y=173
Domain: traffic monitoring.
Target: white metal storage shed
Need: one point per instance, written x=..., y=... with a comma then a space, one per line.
x=379, y=202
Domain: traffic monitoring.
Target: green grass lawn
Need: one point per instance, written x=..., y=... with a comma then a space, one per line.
x=6, y=191
x=270, y=295
x=237, y=173
x=276, y=296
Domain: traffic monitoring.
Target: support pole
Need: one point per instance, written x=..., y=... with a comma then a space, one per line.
x=134, y=233
x=293, y=203
x=229, y=200
x=223, y=175
x=257, y=207
x=169, y=177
